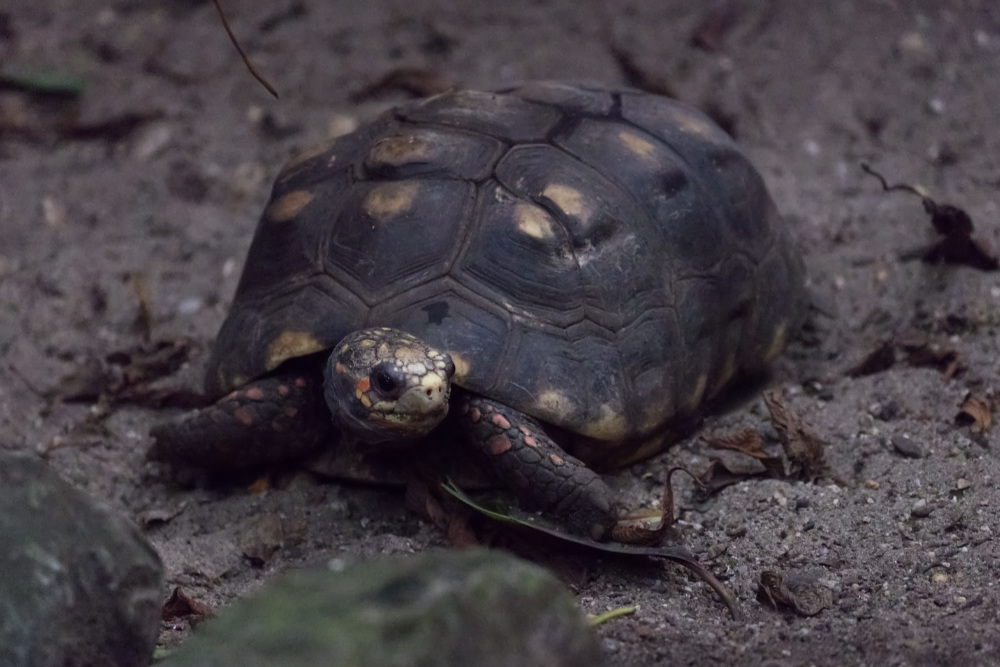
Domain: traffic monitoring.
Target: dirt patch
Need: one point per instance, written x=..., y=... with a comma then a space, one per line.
x=127, y=208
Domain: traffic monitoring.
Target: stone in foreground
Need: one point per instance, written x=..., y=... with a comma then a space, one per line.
x=79, y=584
x=438, y=608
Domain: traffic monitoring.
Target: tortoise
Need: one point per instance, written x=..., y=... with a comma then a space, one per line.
x=566, y=272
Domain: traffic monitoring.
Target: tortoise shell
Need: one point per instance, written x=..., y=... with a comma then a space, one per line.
x=601, y=260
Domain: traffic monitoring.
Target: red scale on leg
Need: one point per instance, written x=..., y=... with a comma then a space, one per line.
x=499, y=444
x=536, y=468
x=273, y=420
x=500, y=421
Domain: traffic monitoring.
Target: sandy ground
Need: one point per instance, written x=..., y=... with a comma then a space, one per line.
x=126, y=211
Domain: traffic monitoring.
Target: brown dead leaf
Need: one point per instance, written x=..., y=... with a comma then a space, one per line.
x=259, y=485
x=449, y=517
x=179, y=605
x=802, y=594
x=944, y=359
x=746, y=442
x=649, y=527
x=880, y=359
x=263, y=538
x=157, y=515
x=803, y=446
x=111, y=128
x=126, y=376
x=975, y=412
x=918, y=351
x=955, y=243
x=718, y=476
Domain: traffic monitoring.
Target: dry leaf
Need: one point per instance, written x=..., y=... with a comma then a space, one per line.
x=179, y=604
x=975, y=412
x=955, y=243
x=880, y=359
x=803, y=447
x=802, y=594
x=450, y=517
x=746, y=442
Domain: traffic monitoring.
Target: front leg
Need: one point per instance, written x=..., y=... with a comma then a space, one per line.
x=277, y=419
x=535, y=468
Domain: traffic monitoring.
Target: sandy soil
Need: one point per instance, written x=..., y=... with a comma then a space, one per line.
x=127, y=211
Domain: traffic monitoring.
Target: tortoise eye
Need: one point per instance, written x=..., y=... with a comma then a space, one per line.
x=385, y=381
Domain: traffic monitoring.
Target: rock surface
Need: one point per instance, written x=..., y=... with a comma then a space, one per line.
x=79, y=585
x=437, y=608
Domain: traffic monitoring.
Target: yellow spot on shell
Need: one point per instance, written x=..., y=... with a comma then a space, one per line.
x=778, y=341
x=288, y=345
x=609, y=426
x=654, y=445
x=304, y=156
x=554, y=404
x=534, y=221
x=399, y=150
x=288, y=206
x=697, y=394
x=725, y=375
x=693, y=123
x=569, y=200
x=388, y=200
x=461, y=367
x=657, y=411
x=636, y=144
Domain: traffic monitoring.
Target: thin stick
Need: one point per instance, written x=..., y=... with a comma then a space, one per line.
x=246, y=61
x=889, y=188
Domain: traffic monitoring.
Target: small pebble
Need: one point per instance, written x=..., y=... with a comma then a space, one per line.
x=152, y=141
x=914, y=43
x=189, y=306
x=940, y=578
x=53, y=212
x=341, y=124
x=921, y=509
x=907, y=447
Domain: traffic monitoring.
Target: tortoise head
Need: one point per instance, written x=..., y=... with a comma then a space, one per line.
x=386, y=386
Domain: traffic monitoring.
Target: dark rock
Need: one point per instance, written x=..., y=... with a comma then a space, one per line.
x=470, y=607
x=79, y=585
x=907, y=447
